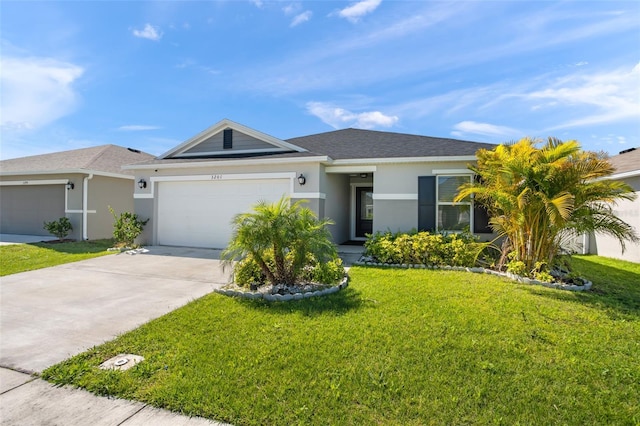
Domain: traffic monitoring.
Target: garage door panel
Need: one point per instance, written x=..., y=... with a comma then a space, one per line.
x=199, y=214
x=24, y=209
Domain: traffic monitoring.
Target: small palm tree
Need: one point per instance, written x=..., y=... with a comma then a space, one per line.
x=288, y=234
x=537, y=197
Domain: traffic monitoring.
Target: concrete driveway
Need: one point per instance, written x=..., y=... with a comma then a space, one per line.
x=51, y=314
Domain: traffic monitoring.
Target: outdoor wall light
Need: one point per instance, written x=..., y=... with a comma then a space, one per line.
x=301, y=179
x=142, y=183
x=70, y=185
x=363, y=175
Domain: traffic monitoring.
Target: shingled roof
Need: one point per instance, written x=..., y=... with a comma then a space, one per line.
x=626, y=161
x=103, y=158
x=357, y=143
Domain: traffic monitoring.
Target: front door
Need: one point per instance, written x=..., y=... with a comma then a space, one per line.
x=364, y=211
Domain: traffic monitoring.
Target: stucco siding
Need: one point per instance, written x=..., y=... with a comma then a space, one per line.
x=629, y=211
x=337, y=206
x=395, y=215
x=105, y=192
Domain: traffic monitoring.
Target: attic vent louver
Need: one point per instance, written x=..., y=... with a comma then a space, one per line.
x=227, y=139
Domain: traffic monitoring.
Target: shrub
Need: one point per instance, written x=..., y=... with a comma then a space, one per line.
x=284, y=239
x=424, y=248
x=126, y=228
x=59, y=228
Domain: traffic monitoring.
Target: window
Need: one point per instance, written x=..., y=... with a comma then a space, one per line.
x=452, y=216
x=437, y=212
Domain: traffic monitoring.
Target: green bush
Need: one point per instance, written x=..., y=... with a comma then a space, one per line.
x=286, y=232
x=424, y=248
x=59, y=228
x=247, y=272
x=126, y=228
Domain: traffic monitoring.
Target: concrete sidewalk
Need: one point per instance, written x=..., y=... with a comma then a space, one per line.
x=51, y=314
x=25, y=400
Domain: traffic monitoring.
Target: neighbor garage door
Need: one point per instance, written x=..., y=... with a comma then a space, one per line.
x=198, y=213
x=24, y=209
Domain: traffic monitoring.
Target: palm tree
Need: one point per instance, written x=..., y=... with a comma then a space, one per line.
x=538, y=197
x=289, y=234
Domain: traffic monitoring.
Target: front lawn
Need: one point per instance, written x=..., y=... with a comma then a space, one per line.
x=27, y=257
x=396, y=347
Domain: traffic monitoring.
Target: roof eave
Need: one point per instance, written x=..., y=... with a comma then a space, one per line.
x=226, y=163
x=68, y=171
x=402, y=160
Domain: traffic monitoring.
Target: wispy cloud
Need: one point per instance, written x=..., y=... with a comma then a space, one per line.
x=339, y=117
x=485, y=129
x=36, y=91
x=608, y=97
x=149, y=32
x=357, y=10
x=300, y=18
x=137, y=128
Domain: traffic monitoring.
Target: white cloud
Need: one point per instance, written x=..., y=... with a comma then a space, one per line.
x=303, y=17
x=485, y=129
x=258, y=3
x=607, y=96
x=357, y=10
x=149, y=32
x=36, y=91
x=340, y=118
x=137, y=128
x=291, y=8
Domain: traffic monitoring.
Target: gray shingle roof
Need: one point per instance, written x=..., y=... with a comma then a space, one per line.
x=103, y=158
x=627, y=161
x=357, y=143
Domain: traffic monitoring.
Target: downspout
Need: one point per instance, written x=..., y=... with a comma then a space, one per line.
x=85, y=204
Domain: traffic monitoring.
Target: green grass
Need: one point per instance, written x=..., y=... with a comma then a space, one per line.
x=27, y=257
x=398, y=347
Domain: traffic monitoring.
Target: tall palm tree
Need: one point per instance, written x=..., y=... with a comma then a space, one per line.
x=537, y=197
x=285, y=232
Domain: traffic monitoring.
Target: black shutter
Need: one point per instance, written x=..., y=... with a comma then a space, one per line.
x=227, y=139
x=480, y=220
x=427, y=203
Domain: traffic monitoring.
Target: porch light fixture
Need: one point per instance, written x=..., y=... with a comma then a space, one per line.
x=301, y=179
x=70, y=185
x=142, y=183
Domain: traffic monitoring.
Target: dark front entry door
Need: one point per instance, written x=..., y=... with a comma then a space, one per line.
x=364, y=211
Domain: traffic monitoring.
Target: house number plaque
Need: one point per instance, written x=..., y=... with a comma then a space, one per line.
x=216, y=177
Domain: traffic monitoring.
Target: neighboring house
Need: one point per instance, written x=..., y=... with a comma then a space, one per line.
x=365, y=181
x=79, y=184
x=627, y=165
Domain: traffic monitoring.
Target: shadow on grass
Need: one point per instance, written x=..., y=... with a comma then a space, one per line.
x=337, y=303
x=75, y=247
x=615, y=290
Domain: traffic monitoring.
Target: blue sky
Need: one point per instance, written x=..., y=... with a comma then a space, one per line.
x=150, y=75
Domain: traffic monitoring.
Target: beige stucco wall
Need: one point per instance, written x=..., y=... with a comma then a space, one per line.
x=629, y=211
x=103, y=191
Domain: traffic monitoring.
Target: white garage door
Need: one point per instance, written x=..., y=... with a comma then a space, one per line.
x=199, y=213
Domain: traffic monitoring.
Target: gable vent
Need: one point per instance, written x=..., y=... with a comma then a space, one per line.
x=227, y=139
